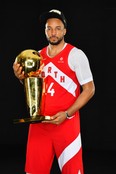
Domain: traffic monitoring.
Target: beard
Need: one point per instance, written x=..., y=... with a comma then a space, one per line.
x=55, y=42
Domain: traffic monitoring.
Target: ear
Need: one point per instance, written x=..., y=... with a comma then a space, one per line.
x=64, y=31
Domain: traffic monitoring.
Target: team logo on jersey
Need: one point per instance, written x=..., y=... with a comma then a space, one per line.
x=61, y=60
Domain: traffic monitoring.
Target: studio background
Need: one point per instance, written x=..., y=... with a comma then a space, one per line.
x=91, y=27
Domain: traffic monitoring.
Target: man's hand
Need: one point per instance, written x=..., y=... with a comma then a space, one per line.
x=18, y=71
x=57, y=118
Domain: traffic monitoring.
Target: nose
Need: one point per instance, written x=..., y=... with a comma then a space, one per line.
x=53, y=32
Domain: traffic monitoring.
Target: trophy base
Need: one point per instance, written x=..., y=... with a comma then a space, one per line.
x=36, y=119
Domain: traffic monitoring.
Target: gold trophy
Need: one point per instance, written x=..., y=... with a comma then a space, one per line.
x=30, y=60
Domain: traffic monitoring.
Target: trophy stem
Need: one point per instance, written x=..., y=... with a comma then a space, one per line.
x=33, y=91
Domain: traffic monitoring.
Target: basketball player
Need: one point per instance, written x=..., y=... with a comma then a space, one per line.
x=69, y=85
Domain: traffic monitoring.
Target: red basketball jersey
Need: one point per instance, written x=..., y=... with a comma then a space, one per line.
x=61, y=86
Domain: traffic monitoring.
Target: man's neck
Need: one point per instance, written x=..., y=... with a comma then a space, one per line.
x=53, y=50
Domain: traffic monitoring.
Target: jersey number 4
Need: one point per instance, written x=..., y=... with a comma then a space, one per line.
x=51, y=90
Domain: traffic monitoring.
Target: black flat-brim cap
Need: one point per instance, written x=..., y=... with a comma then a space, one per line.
x=53, y=14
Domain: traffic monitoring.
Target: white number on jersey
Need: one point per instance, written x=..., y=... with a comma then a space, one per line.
x=51, y=90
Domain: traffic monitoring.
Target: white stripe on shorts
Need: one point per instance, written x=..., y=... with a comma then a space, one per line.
x=69, y=152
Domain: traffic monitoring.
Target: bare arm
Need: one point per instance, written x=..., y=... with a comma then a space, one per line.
x=87, y=93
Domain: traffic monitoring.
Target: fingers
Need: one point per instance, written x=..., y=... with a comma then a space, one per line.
x=21, y=76
x=57, y=119
x=18, y=71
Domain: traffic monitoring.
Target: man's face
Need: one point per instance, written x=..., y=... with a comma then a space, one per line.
x=55, y=31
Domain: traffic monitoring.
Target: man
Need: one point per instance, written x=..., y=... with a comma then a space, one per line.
x=66, y=70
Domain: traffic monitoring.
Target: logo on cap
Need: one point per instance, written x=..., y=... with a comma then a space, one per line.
x=55, y=11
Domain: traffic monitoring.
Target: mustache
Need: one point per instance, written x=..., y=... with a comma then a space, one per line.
x=53, y=37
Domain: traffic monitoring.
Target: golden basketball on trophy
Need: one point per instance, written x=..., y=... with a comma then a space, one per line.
x=31, y=61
